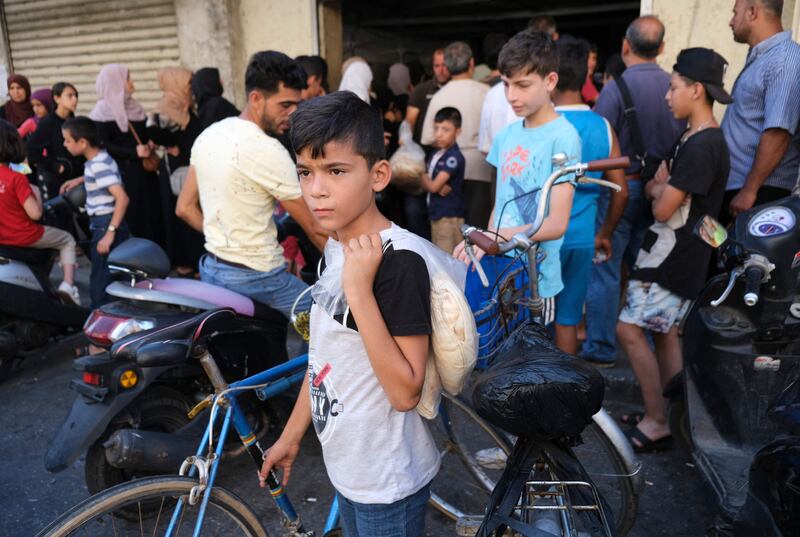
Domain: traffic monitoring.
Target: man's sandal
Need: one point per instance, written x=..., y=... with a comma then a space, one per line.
x=646, y=444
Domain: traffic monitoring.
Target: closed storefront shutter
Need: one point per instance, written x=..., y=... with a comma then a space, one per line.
x=70, y=40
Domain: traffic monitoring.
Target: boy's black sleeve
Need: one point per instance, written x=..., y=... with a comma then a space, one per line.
x=693, y=169
x=402, y=289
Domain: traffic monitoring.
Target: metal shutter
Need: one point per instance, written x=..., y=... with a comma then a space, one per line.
x=70, y=40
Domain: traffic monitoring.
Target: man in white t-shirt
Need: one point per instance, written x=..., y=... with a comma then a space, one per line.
x=238, y=171
x=465, y=95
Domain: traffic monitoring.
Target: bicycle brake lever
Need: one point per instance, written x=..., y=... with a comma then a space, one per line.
x=476, y=264
x=608, y=184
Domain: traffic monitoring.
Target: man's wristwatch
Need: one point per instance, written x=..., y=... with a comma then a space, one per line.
x=112, y=228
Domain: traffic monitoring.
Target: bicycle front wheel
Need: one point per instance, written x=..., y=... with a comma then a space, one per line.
x=108, y=513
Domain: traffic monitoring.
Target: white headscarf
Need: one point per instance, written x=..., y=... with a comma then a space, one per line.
x=114, y=103
x=399, y=79
x=357, y=78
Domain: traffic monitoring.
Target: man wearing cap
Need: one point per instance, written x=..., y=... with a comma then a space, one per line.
x=761, y=126
x=665, y=279
x=655, y=135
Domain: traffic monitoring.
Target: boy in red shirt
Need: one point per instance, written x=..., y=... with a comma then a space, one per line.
x=21, y=207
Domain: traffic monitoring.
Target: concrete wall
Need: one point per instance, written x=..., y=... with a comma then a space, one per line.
x=704, y=23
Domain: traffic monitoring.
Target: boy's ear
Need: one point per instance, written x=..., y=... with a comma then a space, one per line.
x=551, y=81
x=381, y=175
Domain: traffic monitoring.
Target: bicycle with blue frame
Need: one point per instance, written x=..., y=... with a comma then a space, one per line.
x=190, y=503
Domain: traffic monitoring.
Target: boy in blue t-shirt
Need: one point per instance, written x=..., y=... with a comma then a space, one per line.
x=106, y=200
x=523, y=151
x=582, y=241
x=444, y=181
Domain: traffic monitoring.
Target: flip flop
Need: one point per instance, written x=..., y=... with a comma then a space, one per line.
x=646, y=444
x=632, y=419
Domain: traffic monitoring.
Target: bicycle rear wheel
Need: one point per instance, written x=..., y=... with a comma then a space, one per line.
x=463, y=484
x=155, y=498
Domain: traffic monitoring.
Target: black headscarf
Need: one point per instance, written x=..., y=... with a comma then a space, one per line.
x=207, y=90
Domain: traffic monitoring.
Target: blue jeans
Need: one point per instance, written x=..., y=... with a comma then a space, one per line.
x=602, y=298
x=403, y=518
x=100, y=276
x=277, y=288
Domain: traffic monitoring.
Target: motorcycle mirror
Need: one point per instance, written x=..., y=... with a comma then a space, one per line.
x=710, y=231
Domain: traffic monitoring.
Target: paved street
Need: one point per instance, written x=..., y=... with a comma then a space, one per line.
x=36, y=399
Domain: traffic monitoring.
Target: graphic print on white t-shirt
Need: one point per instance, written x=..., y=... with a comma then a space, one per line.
x=325, y=404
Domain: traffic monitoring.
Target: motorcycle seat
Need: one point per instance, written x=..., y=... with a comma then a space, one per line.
x=216, y=295
x=170, y=345
x=140, y=256
x=31, y=256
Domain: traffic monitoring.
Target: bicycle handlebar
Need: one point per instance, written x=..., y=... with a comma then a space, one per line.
x=492, y=247
x=606, y=164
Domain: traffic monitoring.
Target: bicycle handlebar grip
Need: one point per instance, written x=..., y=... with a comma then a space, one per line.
x=608, y=164
x=752, y=283
x=485, y=243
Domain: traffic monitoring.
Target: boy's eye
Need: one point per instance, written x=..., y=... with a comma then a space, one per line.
x=303, y=173
x=336, y=171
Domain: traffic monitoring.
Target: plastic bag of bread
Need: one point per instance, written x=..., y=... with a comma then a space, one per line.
x=408, y=163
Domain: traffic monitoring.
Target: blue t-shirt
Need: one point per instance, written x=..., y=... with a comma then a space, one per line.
x=596, y=141
x=523, y=158
x=452, y=205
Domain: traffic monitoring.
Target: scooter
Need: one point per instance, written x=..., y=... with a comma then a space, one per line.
x=736, y=404
x=32, y=315
x=128, y=406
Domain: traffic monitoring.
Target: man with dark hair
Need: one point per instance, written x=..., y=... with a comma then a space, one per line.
x=546, y=24
x=316, y=70
x=647, y=131
x=761, y=126
x=238, y=171
x=465, y=94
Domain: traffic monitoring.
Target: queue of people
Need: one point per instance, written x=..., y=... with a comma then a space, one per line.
x=209, y=194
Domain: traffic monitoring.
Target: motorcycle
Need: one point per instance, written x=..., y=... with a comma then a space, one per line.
x=31, y=314
x=140, y=405
x=736, y=404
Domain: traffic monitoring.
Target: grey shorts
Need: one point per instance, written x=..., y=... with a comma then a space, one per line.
x=652, y=307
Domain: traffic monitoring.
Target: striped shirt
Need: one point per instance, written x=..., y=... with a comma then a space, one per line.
x=766, y=95
x=99, y=174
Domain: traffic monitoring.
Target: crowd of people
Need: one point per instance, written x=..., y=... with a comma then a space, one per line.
x=205, y=180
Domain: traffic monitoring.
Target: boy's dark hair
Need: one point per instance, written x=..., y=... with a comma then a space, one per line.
x=82, y=127
x=59, y=87
x=338, y=117
x=573, y=55
x=268, y=68
x=314, y=66
x=543, y=23
x=690, y=81
x=529, y=51
x=448, y=113
x=11, y=147
x=614, y=65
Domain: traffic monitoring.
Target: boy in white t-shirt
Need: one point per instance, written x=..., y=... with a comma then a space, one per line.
x=370, y=330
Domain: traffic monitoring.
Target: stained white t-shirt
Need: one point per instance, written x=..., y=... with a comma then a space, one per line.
x=241, y=171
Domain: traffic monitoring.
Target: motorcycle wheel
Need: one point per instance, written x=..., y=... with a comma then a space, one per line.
x=158, y=408
x=678, y=420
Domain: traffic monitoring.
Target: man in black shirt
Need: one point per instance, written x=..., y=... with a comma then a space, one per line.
x=422, y=94
x=670, y=267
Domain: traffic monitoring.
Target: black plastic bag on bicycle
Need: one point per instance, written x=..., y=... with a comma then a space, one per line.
x=503, y=511
x=535, y=390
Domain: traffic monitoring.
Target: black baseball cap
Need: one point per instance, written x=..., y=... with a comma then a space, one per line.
x=705, y=66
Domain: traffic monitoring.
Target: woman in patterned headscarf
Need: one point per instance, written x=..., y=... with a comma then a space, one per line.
x=175, y=126
x=120, y=120
x=18, y=108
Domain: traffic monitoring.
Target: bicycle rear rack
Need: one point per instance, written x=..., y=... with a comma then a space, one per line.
x=553, y=496
x=546, y=497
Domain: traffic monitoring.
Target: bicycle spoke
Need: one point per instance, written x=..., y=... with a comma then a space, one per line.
x=141, y=520
x=160, y=509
